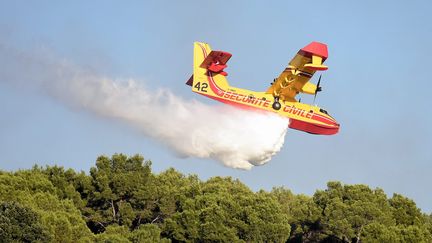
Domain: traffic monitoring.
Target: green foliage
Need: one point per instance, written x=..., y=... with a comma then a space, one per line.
x=119, y=185
x=147, y=233
x=20, y=224
x=346, y=210
x=114, y=234
x=121, y=200
x=60, y=217
x=302, y=213
x=405, y=211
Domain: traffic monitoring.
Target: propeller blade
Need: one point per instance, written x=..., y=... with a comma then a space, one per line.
x=318, y=85
x=318, y=88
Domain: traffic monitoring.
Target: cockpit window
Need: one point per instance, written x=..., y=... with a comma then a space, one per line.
x=323, y=111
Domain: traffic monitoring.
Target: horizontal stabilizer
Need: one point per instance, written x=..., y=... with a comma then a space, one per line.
x=219, y=57
x=216, y=62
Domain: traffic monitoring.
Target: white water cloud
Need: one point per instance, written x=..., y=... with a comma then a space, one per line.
x=236, y=138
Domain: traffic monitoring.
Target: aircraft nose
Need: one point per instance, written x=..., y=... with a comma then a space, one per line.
x=336, y=125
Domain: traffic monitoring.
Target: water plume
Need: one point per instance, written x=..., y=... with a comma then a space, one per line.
x=236, y=138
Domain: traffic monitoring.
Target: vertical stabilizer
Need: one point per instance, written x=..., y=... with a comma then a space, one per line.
x=208, y=70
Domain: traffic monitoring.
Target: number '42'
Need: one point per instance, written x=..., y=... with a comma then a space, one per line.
x=201, y=86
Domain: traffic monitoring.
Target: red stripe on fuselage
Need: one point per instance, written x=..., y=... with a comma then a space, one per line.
x=323, y=119
x=236, y=104
x=213, y=86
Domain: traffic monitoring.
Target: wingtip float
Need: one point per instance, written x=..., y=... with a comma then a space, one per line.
x=209, y=79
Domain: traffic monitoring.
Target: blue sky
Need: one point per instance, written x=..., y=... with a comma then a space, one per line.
x=377, y=85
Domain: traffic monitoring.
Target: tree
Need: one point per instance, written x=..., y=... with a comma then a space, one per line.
x=405, y=211
x=347, y=210
x=120, y=185
x=121, y=200
x=114, y=234
x=147, y=233
x=226, y=210
x=20, y=224
x=59, y=217
x=64, y=182
x=302, y=213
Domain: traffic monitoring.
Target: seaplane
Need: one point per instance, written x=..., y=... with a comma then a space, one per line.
x=209, y=79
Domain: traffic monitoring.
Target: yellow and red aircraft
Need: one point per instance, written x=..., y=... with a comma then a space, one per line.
x=209, y=79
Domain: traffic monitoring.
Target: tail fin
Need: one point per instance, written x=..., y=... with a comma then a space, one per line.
x=208, y=70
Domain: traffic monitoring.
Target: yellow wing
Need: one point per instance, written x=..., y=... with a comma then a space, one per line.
x=295, y=78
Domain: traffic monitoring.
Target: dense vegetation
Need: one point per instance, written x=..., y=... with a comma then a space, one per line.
x=121, y=200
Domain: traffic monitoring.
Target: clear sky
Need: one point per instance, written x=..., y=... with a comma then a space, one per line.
x=377, y=86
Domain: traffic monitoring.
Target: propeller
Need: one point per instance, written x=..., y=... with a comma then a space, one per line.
x=318, y=89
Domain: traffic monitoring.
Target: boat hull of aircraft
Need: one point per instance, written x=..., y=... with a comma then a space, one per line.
x=313, y=128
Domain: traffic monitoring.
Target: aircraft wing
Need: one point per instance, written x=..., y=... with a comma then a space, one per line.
x=295, y=78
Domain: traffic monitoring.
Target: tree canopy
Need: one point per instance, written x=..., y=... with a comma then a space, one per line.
x=122, y=200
